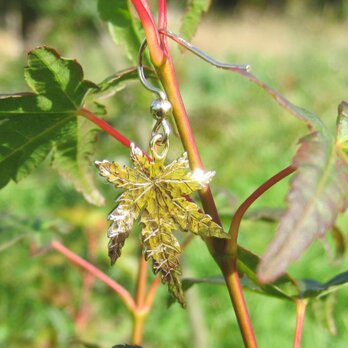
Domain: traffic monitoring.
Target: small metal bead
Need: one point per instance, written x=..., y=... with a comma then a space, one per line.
x=160, y=109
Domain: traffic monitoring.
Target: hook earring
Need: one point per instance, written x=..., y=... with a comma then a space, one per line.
x=160, y=109
x=155, y=194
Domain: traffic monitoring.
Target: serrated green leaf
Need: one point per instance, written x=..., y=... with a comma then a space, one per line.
x=34, y=125
x=319, y=191
x=124, y=28
x=195, y=9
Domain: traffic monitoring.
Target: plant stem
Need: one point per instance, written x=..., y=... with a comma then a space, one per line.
x=237, y=218
x=152, y=292
x=105, y=126
x=138, y=326
x=140, y=291
x=152, y=36
x=235, y=291
x=79, y=261
x=301, y=305
x=217, y=247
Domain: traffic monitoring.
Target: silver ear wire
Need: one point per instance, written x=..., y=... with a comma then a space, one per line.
x=162, y=95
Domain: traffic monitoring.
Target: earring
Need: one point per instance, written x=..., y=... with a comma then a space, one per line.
x=156, y=195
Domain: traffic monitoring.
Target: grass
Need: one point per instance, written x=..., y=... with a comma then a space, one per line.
x=242, y=134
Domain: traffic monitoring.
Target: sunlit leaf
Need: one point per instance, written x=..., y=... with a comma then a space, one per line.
x=154, y=194
x=32, y=125
x=195, y=9
x=124, y=28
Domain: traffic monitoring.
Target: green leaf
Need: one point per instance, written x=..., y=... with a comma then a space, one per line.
x=312, y=289
x=195, y=9
x=319, y=191
x=284, y=288
x=124, y=28
x=32, y=125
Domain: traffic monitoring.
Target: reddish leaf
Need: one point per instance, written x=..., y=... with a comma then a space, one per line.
x=319, y=191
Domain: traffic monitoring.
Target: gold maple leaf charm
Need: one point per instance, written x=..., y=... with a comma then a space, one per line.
x=154, y=194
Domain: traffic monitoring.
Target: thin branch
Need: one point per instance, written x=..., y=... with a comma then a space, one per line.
x=152, y=292
x=238, y=216
x=105, y=126
x=235, y=291
x=140, y=291
x=108, y=129
x=79, y=261
x=301, y=305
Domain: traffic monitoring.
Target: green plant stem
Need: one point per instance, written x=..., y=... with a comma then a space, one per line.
x=79, y=261
x=138, y=326
x=301, y=305
x=238, y=216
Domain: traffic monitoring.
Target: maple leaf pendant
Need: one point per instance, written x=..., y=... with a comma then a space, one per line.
x=155, y=194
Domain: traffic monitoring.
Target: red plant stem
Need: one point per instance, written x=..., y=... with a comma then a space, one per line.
x=217, y=247
x=152, y=36
x=230, y=273
x=79, y=261
x=301, y=305
x=152, y=292
x=105, y=126
x=237, y=218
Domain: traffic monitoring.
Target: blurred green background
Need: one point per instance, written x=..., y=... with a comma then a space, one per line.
x=298, y=47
